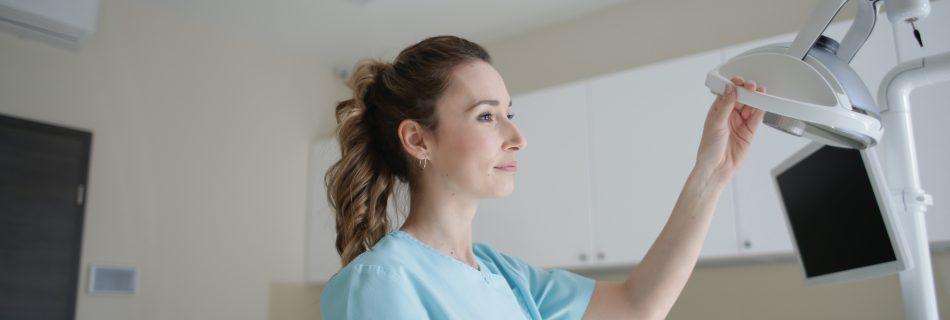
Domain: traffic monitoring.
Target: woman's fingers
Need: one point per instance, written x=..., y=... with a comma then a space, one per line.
x=727, y=103
x=723, y=105
x=749, y=85
x=758, y=114
x=737, y=80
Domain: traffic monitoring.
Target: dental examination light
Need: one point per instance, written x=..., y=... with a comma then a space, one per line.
x=814, y=93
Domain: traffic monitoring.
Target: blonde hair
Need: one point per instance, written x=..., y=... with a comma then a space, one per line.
x=373, y=160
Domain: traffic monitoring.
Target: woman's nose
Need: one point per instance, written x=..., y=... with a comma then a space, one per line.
x=517, y=141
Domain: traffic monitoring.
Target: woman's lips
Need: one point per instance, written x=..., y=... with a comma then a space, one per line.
x=509, y=169
x=510, y=166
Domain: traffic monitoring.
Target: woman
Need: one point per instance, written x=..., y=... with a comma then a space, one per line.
x=438, y=119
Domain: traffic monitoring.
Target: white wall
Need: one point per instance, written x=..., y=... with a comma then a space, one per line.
x=200, y=149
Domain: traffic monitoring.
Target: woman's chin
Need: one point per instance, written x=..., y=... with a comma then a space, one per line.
x=503, y=191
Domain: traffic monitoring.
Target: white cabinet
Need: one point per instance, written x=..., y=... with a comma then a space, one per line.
x=646, y=126
x=930, y=112
x=546, y=220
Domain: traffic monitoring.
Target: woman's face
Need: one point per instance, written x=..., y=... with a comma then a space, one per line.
x=475, y=135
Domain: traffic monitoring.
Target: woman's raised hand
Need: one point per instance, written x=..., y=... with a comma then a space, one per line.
x=728, y=132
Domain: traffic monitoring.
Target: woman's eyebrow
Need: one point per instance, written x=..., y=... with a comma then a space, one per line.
x=493, y=103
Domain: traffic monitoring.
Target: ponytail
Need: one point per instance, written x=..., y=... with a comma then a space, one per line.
x=358, y=187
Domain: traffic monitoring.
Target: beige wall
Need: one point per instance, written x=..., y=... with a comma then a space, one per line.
x=640, y=32
x=199, y=158
x=200, y=150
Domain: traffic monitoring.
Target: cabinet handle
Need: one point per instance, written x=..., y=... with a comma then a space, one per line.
x=600, y=255
x=583, y=257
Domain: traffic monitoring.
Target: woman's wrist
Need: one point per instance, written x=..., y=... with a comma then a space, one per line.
x=710, y=177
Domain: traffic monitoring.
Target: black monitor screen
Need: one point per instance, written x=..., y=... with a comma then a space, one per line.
x=833, y=212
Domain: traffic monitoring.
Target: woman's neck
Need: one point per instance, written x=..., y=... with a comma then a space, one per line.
x=445, y=225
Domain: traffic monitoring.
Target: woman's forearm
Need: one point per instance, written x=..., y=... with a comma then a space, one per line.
x=654, y=285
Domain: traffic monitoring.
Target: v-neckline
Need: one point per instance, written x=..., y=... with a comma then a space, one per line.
x=481, y=266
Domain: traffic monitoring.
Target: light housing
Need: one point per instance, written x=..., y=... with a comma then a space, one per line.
x=812, y=91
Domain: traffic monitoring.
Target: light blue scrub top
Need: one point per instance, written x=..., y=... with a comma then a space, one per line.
x=403, y=278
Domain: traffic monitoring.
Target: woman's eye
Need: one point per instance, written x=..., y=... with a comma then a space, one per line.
x=484, y=115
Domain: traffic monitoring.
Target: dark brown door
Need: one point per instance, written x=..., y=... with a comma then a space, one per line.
x=43, y=172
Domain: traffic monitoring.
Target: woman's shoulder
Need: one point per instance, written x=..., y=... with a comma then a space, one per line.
x=359, y=275
x=387, y=259
x=372, y=285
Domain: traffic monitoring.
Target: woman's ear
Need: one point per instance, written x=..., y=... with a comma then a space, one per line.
x=413, y=138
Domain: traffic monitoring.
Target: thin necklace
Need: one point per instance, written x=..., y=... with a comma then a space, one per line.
x=451, y=254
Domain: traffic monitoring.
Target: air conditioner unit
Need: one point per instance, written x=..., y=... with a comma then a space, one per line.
x=62, y=22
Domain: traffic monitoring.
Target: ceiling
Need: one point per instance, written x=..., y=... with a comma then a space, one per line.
x=341, y=32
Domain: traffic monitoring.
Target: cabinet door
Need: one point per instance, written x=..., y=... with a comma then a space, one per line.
x=646, y=125
x=760, y=223
x=546, y=219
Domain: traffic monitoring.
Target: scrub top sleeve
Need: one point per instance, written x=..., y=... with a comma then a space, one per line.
x=558, y=294
x=371, y=292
